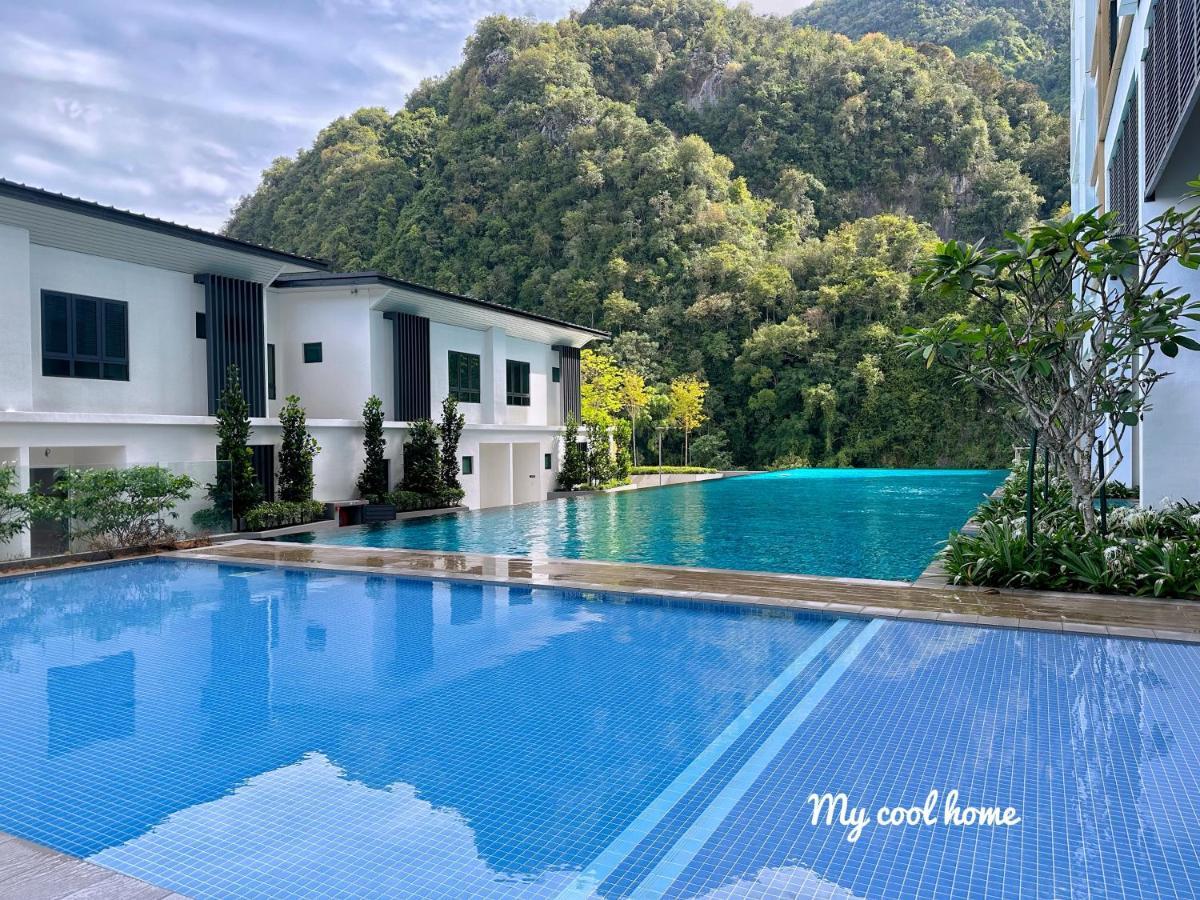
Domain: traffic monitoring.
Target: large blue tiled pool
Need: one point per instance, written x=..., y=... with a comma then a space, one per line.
x=851, y=523
x=231, y=731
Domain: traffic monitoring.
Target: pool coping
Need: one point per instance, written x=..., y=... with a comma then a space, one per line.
x=33, y=870
x=1085, y=614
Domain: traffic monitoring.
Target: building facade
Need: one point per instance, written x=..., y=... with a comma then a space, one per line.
x=118, y=331
x=1135, y=145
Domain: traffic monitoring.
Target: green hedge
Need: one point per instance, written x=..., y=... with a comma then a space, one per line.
x=281, y=514
x=671, y=470
x=409, y=501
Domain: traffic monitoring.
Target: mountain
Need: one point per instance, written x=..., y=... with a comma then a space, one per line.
x=1027, y=39
x=730, y=194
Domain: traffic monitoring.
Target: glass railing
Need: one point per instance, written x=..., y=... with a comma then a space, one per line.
x=53, y=510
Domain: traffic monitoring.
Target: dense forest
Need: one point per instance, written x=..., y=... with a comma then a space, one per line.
x=733, y=196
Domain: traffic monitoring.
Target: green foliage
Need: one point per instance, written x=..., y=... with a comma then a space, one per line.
x=14, y=505
x=372, y=481
x=671, y=470
x=296, y=452
x=450, y=431
x=282, y=513
x=574, y=470
x=664, y=169
x=422, y=462
x=408, y=501
x=235, y=488
x=1146, y=552
x=1029, y=39
x=711, y=451
x=114, y=508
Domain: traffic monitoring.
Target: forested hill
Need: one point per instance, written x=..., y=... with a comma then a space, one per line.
x=730, y=194
x=1028, y=39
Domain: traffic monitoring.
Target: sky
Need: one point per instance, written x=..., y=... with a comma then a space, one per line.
x=173, y=108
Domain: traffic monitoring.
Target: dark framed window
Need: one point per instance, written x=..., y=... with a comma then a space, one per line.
x=549, y=461
x=84, y=337
x=464, y=376
x=517, y=383
x=468, y=465
x=270, y=371
x=201, y=326
x=556, y=374
x=313, y=352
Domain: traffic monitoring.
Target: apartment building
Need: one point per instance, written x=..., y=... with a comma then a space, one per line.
x=118, y=329
x=1135, y=144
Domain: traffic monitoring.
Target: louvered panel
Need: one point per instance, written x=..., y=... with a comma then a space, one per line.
x=1172, y=79
x=1123, y=193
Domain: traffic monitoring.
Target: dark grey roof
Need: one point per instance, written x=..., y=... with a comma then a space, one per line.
x=93, y=210
x=350, y=279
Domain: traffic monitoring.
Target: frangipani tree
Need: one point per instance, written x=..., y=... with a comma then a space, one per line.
x=1066, y=326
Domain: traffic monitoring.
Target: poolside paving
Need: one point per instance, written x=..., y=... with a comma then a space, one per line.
x=1176, y=620
x=33, y=872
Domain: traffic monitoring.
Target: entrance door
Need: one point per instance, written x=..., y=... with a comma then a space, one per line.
x=527, y=473
x=47, y=537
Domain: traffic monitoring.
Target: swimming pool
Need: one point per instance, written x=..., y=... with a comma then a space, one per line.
x=852, y=523
x=229, y=731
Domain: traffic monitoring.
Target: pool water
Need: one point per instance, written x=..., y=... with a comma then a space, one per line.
x=852, y=523
x=229, y=731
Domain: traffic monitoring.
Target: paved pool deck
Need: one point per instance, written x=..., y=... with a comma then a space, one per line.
x=33, y=872
x=1173, y=620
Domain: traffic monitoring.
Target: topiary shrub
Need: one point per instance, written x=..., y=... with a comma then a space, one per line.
x=282, y=513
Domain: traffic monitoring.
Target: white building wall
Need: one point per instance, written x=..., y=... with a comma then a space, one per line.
x=167, y=367
x=443, y=339
x=16, y=351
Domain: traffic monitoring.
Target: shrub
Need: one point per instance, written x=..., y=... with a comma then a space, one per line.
x=422, y=464
x=282, y=513
x=1146, y=552
x=372, y=482
x=296, y=452
x=114, y=508
x=14, y=505
x=671, y=470
x=235, y=489
x=790, y=461
x=574, y=467
x=408, y=501
x=450, y=430
x=600, y=465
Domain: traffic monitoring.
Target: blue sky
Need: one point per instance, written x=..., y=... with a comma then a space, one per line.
x=174, y=108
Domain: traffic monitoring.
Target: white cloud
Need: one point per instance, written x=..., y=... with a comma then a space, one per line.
x=29, y=57
x=205, y=182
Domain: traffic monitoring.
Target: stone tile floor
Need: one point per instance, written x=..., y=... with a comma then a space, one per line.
x=33, y=872
x=1079, y=613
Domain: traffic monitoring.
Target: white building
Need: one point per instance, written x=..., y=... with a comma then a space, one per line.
x=117, y=330
x=1135, y=143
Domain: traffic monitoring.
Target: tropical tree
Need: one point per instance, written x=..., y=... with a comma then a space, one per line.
x=235, y=489
x=297, y=449
x=114, y=508
x=601, y=388
x=372, y=481
x=687, y=406
x=634, y=399
x=1066, y=327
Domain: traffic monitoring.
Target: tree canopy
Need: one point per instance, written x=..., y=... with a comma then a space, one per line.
x=733, y=196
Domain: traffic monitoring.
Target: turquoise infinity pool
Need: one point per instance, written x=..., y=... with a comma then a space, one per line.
x=232, y=732
x=860, y=523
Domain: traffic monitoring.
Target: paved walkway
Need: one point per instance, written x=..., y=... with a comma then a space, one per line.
x=1079, y=613
x=33, y=872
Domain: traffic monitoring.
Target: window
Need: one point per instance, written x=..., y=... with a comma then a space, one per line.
x=468, y=465
x=270, y=371
x=517, y=383
x=556, y=374
x=313, y=352
x=84, y=337
x=549, y=461
x=464, y=377
x=201, y=327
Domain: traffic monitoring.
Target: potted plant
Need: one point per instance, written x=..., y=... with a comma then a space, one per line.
x=372, y=482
